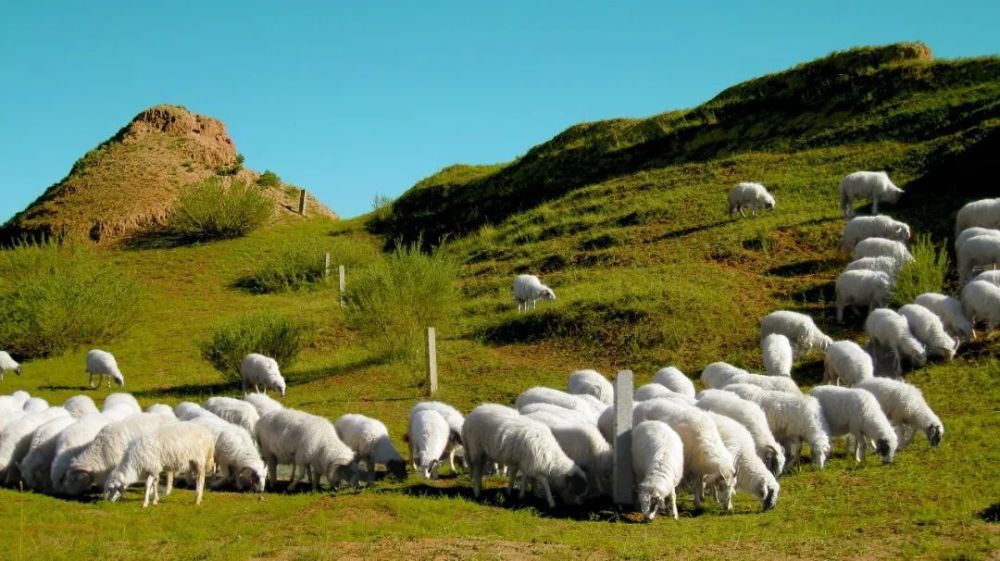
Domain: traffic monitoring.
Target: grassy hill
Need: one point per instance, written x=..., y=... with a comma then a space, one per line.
x=627, y=222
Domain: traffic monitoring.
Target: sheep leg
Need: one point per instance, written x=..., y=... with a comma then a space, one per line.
x=199, y=485
x=548, y=492
x=170, y=483
x=874, y=205
x=476, y=473
x=150, y=489
x=699, y=492
x=860, y=447
x=673, y=504
x=91, y=380
x=314, y=480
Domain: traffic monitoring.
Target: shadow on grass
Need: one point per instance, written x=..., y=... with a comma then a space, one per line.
x=809, y=373
x=692, y=230
x=802, y=268
x=81, y=387
x=191, y=390
x=160, y=238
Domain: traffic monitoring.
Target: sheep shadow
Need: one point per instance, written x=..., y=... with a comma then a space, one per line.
x=67, y=388
x=825, y=292
x=190, y=390
x=803, y=268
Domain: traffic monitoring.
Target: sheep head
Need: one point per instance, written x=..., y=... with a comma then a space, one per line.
x=934, y=434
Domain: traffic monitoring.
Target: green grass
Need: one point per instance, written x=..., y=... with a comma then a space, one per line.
x=926, y=273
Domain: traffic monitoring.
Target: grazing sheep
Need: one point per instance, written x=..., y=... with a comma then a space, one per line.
x=591, y=382
x=889, y=332
x=949, y=309
x=674, y=380
x=906, y=408
x=658, y=465
x=188, y=410
x=123, y=401
x=15, y=440
x=37, y=463
x=175, y=447
x=428, y=437
x=309, y=442
x=980, y=252
x=262, y=403
x=651, y=391
x=872, y=185
x=236, y=455
x=751, y=196
x=751, y=416
x=992, y=277
x=585, y=445
x=455, y=421
x=8, y=364
x=752, y=475
x=161, y=409
x=862, y=288
x=799, y=328
x=881, y=247
x=74, y=440
x=929, y=330
x=887, y=265
x=777, y=351
x=864, y=227
x=528, y=290
x=35, y=405
x=856, y=412
x=103, y=364
x=80, y=405
x=261, y=371
x=720, y=374
x=235, y=411
x=570, y=415
x=981, y=303
x=973, y=232
x=370, y=441
x=984, y=213
x=14, y=401
x=586, y=404
x=846, y=362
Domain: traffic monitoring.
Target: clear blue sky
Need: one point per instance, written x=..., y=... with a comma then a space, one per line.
x=355, y=98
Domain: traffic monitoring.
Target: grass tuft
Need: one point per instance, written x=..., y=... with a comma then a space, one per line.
x=926, y=273
x=212, y=211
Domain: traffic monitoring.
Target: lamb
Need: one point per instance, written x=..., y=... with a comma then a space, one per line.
x=872, y=185
x=74, y=440
x=591, y=382
x=428, y=437
x=929, y=330
x=15, y=440
x=889, y=331
x=103, y=364
x=261, y=371
x=37, y=463
x=124, y=401
x=799, y=328
x=707, y=462
x=856, y=412
x=658, y=465
x=979, y=252
x=949, y=309
x=262, y=403
x=992, y=277
x=161, y=409
x=310, y=443
x=586, y=404
x=674, y=380
x=8, y=364
x=235, y=411
x=370, y=440
x=981, y=303
x=528, y=290
x=984, y=213
x=751, y=416
x=172, y=448
x=455, y=421
x=792, y=419
x=752, y=476
x=584, y=444
x=864, y=227
x=753, y=196
x=80, y=405
x=777, y=351
x=881, y=247
x=862, y=288
x=720, y=374
x=235, y=454
x=524, y=445
x=973, y=232
x=906, y=408
x=887, y=265
x=846, y=362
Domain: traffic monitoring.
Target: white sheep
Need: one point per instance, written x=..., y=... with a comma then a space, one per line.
x=650, y=391
x=751, y=416
x=37, y=463
x=455, y=421
x=161, y=409
x=752, y=475
x=8, y=364
x=799, y=328
x=778, y=357
x=15, y=440
x=261, y=371
x=586, y=404
x=14, y=401
x=906, y=408
x=591, y=382
x=887, y=265
x=188, y=410
x=126, y=402
x=846, y=362
x=720, y=374
x=979, y=252
x=984, y=213
x=262, y=402
x=606, y=422
x=428, y=437
x=929, y=330
x=35, y=405
x=103, y=364
x=236, y=454
x=973, y=232
x=881, y=247
x=949, y=309
x=175, y=447
x=310, y=443
x=528, y=290
x=74, y=440
x=992, y=277
x=658, y=466
x=856, y=412
x=80, y=405
x=872, y=185
x=864, y=227
x=753, y=196
x=674, y=380
x=889, y=332
x=235, y=411
x=792, y=419
x=570, y=415
x=871, y=289
x=981, y=303
x=584, y=444
x=369, y=438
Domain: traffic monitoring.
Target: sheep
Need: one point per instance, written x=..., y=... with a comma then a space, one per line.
x=949, y=309
x=584, y=444
x=8, y=364
x=235, y=411
x=187, y=411
x=310, y=443
x=906, y=408
x=124, y=401
x=175, y=447
x=586, y=404
x=864, y=227
x=455, y=421
x=650, y=391
x=856, y=412
x=14, y=401
x=984, y=213
x=80, y=405
x=524, y=445
x=570, y=415
x=591, y=382
x=262, y=403
x=799, y=328
x=751, y=416
x=15, y=440
x=528, y=290
x=236, y=454
x=862, y=288
x=35, y=405
x=846, y=362
x=889, y=331
x=369, y=438
x=73, y=440
x=992, y=277
x=103, y=364
x=606, y=422
x=658, y=465
x=753, y=196
x=979, y=252
x=752, y=475
x=427, y=436
x=720, y=374
x=674, y=380
x=881, y=247
x=981, y=303
x=707, y=462
x=37, y=463
x=261, y=371
x=929, y=330
x=973, y=232
x=777, y=351
x=161, y=409
x=887, y=265
x=872, y=185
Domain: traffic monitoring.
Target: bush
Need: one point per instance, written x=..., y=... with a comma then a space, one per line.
x=299, y=265
x=926, y=273
x=267, y=334
x=268, y=179
x=392, y=302
x=56, y=297
x=210, y=210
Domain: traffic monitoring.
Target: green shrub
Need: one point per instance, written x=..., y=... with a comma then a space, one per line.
x=926, y=273
x=210, y=210
x=268, y=179
x=267, y=334
x=56, y=297
x=299, y=265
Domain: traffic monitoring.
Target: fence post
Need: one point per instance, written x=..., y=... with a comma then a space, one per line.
x=432, y=366
x=343, y=284
x=302, y=202
x=623, y=476
x=326, y=266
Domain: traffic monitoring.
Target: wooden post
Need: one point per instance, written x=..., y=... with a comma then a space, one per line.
x=432, y=365
x=622, y=444
x=343, y=284
x=302, y=202
x=326, y=266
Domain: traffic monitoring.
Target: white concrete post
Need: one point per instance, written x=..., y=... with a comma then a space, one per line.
x=343, y=284
x=622, y=443
x=326, y=266
x=432, y=366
